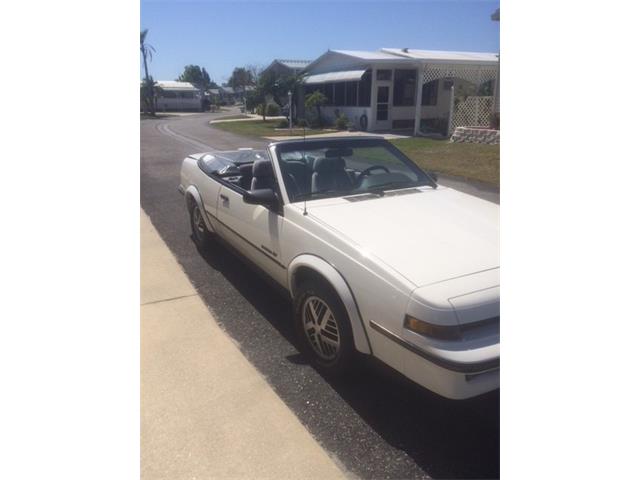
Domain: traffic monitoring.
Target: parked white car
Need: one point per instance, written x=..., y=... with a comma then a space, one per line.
x=376, y=256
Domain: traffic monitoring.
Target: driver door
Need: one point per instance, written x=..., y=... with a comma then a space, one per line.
x=254, y=230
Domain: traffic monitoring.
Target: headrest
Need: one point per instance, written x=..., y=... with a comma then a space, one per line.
x=246, y=169
x=332, y=164
x=262, y=168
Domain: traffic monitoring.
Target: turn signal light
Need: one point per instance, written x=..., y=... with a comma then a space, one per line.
x=441, y=332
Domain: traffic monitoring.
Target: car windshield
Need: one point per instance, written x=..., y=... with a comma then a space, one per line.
x=336, y=168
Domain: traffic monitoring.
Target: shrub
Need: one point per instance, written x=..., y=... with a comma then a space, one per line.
x=273, y=110
x=342, y=122
x=312, y=102
x=283, y=124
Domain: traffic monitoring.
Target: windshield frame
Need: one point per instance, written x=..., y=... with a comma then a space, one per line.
x=279, y=148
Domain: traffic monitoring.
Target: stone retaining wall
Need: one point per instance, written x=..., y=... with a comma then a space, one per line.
x=476, y=135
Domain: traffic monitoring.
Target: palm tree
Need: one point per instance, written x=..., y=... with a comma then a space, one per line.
x=147, y=52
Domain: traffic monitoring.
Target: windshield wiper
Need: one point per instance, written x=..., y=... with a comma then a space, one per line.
x=380, y=189
x=320, y=192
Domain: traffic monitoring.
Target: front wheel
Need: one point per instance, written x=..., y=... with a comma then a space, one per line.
x=201, y=235
x=323, y=328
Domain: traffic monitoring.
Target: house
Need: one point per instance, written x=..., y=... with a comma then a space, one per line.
x=287, y=67
x=178, y=96
x=396, y=89
x=230, y=95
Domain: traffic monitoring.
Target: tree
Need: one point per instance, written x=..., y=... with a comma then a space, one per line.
x=265, y=88
x=196, y=75
x=147, y=53
x=316, y=100
x=293, y=84
x=148, y=99
x=495, y=16
x=241, y=78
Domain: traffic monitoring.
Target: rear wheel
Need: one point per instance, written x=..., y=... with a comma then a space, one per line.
x=201, y=235
x=323, y=328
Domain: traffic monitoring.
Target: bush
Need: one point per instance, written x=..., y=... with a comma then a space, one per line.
x=302, y=123
x=283, y=124
x=342, y=122
x=273, y=110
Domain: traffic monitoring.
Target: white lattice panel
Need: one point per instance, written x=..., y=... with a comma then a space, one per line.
x=476, y=75
x=473, y=112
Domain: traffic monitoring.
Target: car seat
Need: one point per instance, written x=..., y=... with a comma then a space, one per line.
x=263, y=175
x=329, y=174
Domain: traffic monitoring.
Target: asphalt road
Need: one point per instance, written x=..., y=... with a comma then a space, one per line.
x=376, y=424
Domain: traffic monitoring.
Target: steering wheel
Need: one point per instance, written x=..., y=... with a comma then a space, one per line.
x=367, y=171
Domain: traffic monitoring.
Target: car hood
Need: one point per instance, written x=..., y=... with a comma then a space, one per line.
x=425, y=235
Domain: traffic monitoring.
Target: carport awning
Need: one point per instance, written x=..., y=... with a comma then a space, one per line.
x=346, y=76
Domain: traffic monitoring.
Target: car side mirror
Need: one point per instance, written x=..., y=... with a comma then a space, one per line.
x=263, y=196
x=433, y=175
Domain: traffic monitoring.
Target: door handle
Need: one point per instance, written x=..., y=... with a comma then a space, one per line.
x=224, y=198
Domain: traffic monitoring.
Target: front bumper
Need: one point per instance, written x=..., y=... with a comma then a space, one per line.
x=443, y=372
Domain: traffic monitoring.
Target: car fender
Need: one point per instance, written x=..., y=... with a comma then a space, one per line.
x=339, y=284
x=192, y=192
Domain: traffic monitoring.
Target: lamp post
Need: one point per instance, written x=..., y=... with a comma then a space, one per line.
x=290, y=111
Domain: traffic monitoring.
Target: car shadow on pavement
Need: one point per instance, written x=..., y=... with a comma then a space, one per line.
x=445, y=438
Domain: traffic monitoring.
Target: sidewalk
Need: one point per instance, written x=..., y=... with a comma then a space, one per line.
x=205, y=411
x=250, y=117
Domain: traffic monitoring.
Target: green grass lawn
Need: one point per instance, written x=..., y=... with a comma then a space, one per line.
x=258, y=128
x=469, y=160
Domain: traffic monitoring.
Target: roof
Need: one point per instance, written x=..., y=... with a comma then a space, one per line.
x=442, y=55
x=293, y=63
x=367, y=55
x=173, y=85
x=335, y=76
x=395, y=55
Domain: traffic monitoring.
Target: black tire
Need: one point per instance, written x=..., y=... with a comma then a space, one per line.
x=201, y=235
x=340, y=361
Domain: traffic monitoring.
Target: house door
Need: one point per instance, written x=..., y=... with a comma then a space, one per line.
x=383, y=121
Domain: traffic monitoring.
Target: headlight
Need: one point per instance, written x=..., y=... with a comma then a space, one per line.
x=441, y=332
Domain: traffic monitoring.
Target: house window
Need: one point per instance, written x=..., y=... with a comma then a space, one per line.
x=186, y=94
x=328, y=92
x=168, y=94
x=383, y=75
x=339, y=94
x=364, y=90
x=430, y=93
x=352, y=94
x=404, y=88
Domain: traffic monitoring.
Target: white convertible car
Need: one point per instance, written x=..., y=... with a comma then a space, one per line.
x=376, y=256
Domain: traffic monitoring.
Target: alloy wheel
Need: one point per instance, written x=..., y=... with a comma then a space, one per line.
x=321, y=328
x=198, y=222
